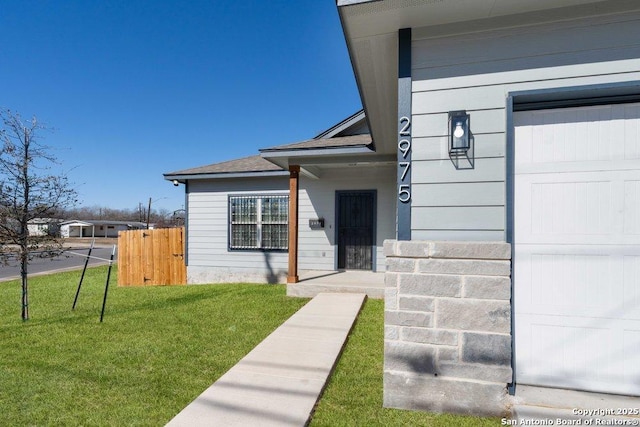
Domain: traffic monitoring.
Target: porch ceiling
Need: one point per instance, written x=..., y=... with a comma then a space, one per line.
x=315, y=166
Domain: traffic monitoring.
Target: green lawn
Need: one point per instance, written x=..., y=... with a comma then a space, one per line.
x=157, y=349
x=160, y=347
x=354, y=394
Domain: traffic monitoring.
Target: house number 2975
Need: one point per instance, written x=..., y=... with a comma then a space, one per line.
x=404, y=160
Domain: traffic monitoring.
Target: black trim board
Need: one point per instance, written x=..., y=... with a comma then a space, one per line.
x=186, y=224
x=404, y=110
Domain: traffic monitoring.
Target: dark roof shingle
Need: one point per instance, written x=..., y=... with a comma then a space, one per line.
x=245, y=164
x=259, y=164
x=362, y=140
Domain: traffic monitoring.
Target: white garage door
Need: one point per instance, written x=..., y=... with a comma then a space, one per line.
x=577, y=248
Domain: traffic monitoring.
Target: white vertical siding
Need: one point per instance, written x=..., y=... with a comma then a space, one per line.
x=575, y=271
x=476, y=72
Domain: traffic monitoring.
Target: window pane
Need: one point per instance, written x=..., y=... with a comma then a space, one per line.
x=275, y=209
x=244, y=223
x=243, y=210
x=275, y=236
x=275, y=213
x=244, y=236
x=264, y=229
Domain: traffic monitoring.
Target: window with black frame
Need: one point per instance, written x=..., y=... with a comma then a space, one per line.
x=259, y=222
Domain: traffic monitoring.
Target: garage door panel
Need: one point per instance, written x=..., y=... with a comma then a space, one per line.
x=631, y=279
x=632, y=207
x=577, y=248
x=578, y=353
x=577, y=167
x=562, y=282
x=547, y=358
x=579, y=208
x=598, y=133
x=572, y=208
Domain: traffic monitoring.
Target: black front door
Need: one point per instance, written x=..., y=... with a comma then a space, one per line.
x=356, y=225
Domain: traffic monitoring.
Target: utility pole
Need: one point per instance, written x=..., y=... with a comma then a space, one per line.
x=149, y=213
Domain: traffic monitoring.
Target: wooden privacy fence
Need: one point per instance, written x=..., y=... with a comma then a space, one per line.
x=151, y=257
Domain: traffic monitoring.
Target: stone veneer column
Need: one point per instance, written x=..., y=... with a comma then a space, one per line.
x=447, y=341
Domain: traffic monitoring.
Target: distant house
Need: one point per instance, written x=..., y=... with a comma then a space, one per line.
x=44, y=227
x=97, y=228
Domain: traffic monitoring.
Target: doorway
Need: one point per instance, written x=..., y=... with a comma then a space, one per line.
x=355, y=227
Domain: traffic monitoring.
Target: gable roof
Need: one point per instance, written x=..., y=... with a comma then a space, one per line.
x=336, y=140
x=363, y=140
x=340, y=129
x=247, y=166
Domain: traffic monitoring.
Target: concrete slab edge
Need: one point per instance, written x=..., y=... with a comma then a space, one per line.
x=338, y=356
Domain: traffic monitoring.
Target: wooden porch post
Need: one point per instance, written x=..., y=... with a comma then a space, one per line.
x=294, y=172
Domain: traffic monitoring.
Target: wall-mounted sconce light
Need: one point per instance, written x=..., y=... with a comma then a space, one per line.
x=460, y=138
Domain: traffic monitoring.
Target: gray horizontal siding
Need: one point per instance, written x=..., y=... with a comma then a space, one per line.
x=459, y=218
x=435, y=124
x=492, y=97
x=438, y=171
x=535, y=52
x=470, y=235
x=208, y=227
x=459, y=194
x=476, y=72
x=317, y=248
x=209, y=258
x=437, y=148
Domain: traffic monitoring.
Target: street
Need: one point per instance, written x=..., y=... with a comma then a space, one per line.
x=72, y=258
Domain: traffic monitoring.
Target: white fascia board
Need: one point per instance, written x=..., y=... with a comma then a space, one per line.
x=312, y=172
x=182, y=178
x=315, y=152
x=341, y=3
x=73, y=223
x=345, y=124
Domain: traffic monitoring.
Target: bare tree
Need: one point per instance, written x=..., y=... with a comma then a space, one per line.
x=30, y=188
x=137, y=214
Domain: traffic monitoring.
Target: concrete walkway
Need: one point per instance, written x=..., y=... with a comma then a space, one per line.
x=279, y=382
x=352, y=281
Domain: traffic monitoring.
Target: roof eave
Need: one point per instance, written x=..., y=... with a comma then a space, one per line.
x=371, y=29
x=76, y=222
x=306, y=157
x=223, y=175
x=315, y=152
x=339, y=127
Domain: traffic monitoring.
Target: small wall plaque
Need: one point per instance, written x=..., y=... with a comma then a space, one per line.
x=316, y=224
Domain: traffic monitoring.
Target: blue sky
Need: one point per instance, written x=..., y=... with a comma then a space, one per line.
x=135, y=89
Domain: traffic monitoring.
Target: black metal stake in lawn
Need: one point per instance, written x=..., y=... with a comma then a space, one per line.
x=106, y=285
x=84, y=270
